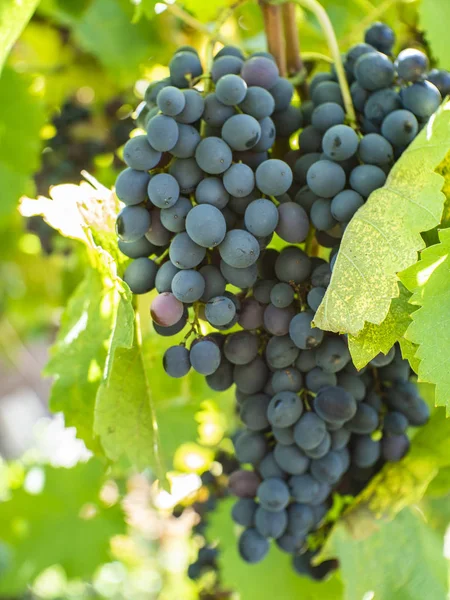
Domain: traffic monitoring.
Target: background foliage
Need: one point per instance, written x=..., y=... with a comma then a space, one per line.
x=72, y=72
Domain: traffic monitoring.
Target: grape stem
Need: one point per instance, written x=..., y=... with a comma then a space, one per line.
x=316, y=56
x=295, y=65
x=273, y=26
x=324, y=21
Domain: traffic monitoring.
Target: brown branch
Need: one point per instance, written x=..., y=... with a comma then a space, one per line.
x=295, y=64
x=273, y=26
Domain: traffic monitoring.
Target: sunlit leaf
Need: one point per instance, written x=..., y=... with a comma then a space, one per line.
x=383, y=238
x=14, y=15
x=434, y=19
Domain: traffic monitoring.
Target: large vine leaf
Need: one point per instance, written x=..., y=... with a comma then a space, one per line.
x=383, y=238
x=380, y=338
x=14, y=15
x=401, y=560
x=434, y=19
x=429, y=280
x=65, y=523
x=273, y=578
x=100, y=380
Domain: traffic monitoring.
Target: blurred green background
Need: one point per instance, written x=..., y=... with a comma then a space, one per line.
x=73, y=525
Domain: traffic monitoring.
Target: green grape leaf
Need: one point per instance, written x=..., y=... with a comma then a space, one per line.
x=429, y=281
x=383, y=238
x=125, y=418
x=401, y=560
x=14, y=15
x=21, y=119
x=272, y=578
x=106, y=30
x=83, y=343
x=380, y=338
x=434, y=18
x=205, y=11
x=65, y=523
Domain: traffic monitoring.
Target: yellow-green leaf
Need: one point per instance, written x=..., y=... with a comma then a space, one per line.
x=434, y=20
x=14, y=15
x=429, y=280
x=383, y=238
x=380, y=338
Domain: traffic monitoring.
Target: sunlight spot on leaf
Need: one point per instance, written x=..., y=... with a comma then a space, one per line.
x=78, y=328
x=424, y=275
x=94, y=372
x=181, y=487
x=369, y=596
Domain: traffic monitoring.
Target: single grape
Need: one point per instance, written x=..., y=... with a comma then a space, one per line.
x=212, y=191
x=153, y=90
x=261, y=217
x=204, y=356
x=291, y=459
x=300, y=518
x=266, y=140
x=365, y=451
x=302, y=333
x=359, y=96
x=400, y=127
x=281, y=352
x=251, y=378
x=276, y=320
x=239, y=180
x=321, y=215
x=315, y=297
x=380, y=104
x=253, y=412
x=194, y=105
x=239, y=248
x=188, y=286
x=162, y=133
x=241, y=348
x=270, y=524
x=285, y=409
x=242, y=278
x=364, y=421
x=282, y=93
x=411, y=64
x=131, y=186
x=274, y=177
x=287, y=380
x=176, y=361
x=327, y=115
x=394, y=447
x=174, y=218
x=334, y=404
x=213, y=155
x=243, y=483
x=222, y=378
x=293, y=223
x=355, y=52
x=170, y=101
x=184, y=67
x=374, y=71
x=340, y=142
x=158, y=235
x=132, y=223
x=281, y=295
x=166, y=310
x=395, y=422
x=243, y=512
x=268, y=467
x=382, y=360
x=365, y=179
x=188, y=140
x=139, y=155
x=164, y=277
x=251, y=315
x=309, y=431
x=327, y=91
x=353, y=384
x=292, y=264
x=252, y=546
x=327, y=469
x=230, y=51
x=310, y=140
x=421, y=98
x=206, y=225
x=163, y=190
x=241, y=132
x=184, y=253
x=231, y=89
x=215, y=113
x=316, y=379
x=258, y=102
x=260, y=71
x=304, y=488
x=250, y=447
x=374, y=149
x=136, y=249
x=288, y=121
x=226, y=65
x=441, y=79
x=380, y=36
x=140, y=275
x=326, y=178
x=187, y=172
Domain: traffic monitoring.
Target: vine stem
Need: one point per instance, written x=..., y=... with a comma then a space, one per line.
x=324, y=21
x=273, y=26
x=295, y=65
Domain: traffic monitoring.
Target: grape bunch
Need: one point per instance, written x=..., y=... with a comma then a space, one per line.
x=206, y=195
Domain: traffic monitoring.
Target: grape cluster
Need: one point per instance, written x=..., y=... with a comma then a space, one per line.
x=206, y=187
